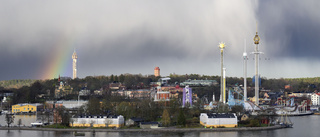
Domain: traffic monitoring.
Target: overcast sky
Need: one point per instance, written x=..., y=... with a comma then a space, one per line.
x=179, y=36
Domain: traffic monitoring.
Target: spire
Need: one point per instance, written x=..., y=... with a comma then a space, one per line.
x=74, y=55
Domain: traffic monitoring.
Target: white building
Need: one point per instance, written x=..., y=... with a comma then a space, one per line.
x=69, y=104
x=315, y=99
x=218, y=120
x=97, y=121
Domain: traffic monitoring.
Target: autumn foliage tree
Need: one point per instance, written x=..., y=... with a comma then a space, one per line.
x=165, y=118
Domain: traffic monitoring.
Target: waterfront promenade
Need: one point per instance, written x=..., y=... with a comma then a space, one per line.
x=146, y=130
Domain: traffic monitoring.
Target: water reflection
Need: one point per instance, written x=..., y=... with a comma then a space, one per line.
x=219, y=134
x=25, y=119
x=306, y=126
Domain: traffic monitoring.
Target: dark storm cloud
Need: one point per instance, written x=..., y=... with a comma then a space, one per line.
x=291, y=28
x=289, y=31
x=114, y=37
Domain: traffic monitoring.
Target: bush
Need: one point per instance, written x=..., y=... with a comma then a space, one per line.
x=56, y=126
x=254, y=123
x=245, y=122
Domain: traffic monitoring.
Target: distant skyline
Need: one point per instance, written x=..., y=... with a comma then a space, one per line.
x=37, y=38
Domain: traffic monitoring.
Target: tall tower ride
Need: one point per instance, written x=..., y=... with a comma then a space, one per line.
x=245, y=58
x=222, y=88
x=74, y=64
x=256, y=40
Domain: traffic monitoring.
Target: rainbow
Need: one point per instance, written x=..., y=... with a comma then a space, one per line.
x=59, y=61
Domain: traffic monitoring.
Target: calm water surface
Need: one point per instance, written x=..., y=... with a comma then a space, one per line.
x=305, y=126
x=25, y=120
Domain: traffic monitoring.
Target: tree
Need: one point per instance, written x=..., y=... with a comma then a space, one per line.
x=19, y=122
x=121, y=78
x=237, y=108
x=83, y=122
x=112, y=78
x=64, y=115
x=107, y=122
x=93, y=106
x=181, y=118
x=165, y=118
x=35, y=90
x=130, y=81
x=222, y=108
x=92, y=123
x=9, y=119
x=72, y=121
x=254, y=123
x=116, y=78
x=125, y=109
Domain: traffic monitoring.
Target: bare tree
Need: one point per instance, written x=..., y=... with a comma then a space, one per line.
x=19, y=122
x=71, y=121
x=107, y=122
x=83, y=122
x=91, y=123
x=9, y=119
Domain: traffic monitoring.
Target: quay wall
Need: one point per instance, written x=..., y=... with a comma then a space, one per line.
x=147, y=130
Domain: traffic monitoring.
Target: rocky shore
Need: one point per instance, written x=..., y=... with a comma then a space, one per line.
x=146, y=130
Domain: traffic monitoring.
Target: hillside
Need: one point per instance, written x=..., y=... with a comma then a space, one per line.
x=7, y=84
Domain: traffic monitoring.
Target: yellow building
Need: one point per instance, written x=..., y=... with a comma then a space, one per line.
x=24, y=108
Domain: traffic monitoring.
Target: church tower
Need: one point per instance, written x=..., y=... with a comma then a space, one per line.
x=74, y=64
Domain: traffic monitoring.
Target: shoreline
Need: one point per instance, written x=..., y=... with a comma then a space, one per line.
x=148, y=130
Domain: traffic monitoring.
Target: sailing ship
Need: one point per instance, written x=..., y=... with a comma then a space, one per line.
x=284, y=120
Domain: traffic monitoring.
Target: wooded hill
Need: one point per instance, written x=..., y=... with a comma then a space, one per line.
x=16, y=83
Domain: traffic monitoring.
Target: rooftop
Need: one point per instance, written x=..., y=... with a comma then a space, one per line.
x=222, y=115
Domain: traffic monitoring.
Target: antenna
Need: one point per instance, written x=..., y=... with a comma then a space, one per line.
x=257, y=26
x=245, y=45
x=245, y=49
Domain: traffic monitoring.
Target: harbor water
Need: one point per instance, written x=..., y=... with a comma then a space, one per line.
x=304, y=126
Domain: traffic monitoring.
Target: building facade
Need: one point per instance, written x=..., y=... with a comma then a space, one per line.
x=62, y=90
x=157, y=71
x=97, y=121
x=24, y=108
x=198, y=83
x=139, y=93
x=315, y=99
x=218, y=120
x=161, y=95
